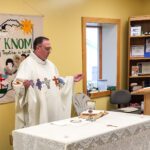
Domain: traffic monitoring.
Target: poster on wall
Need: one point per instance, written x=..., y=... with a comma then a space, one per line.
x=16, y=43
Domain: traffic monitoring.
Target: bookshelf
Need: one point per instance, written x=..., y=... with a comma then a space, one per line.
x=138, y=54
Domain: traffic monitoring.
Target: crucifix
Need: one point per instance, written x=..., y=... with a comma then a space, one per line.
x=56, y=81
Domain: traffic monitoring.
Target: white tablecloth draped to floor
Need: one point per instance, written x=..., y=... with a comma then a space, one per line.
x=114, y=131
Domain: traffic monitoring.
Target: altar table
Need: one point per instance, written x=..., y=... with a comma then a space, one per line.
x=114, y=131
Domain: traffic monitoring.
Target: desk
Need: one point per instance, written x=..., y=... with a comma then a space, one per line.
x=114, y=131
x=146, y=93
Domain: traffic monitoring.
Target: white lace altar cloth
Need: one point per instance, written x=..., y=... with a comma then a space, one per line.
x=115, y=131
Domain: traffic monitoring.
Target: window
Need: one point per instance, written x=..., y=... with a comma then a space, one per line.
x=100, y=42
x=93, y=35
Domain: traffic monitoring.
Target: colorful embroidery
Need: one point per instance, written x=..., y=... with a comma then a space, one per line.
x=47, y=82
x=39, y=84
x=61, y=82
x=56, y=81
x=32, y=83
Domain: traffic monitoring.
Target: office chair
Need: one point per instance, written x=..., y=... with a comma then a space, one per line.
x=80, y=102
x=122, y=98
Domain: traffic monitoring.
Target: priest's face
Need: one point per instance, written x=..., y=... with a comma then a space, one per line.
x=44, y=49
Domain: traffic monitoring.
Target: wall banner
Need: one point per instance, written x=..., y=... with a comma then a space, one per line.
x=16, y=38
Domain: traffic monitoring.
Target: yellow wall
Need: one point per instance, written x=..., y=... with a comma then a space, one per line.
x=7, y=115
x=62, y=24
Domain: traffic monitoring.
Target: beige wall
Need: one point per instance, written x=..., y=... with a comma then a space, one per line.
x=62, y=24
x=7, y=115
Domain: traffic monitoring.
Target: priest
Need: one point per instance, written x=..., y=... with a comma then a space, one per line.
x=41, y=94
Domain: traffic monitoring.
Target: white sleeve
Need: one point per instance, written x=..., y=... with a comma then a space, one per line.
x=20, y=102
x=23, y=73
x=66, y=95
x=25, y=70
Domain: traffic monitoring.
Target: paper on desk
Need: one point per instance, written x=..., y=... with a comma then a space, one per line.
x=128, y=109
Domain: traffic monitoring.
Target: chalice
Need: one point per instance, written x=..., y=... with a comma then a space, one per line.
x=91, y=106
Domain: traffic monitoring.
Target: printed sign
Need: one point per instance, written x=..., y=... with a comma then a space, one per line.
x=16, y=43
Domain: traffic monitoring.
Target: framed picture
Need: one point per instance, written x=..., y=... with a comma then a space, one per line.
x=137, y=50
x=135, y=70
x=136, y=31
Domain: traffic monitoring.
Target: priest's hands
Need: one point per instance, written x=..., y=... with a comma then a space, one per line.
x=78, y=77
x=26, y=83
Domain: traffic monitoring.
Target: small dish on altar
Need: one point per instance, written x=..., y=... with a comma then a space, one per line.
x=76, y=120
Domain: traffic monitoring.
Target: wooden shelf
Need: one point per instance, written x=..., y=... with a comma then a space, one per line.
x=142, y=36
x=144, y=76
x=133, y=62
x=139, y=58
x=100, y=94
x=140, y=18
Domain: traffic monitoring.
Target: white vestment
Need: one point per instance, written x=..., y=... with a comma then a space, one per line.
x=48, y=98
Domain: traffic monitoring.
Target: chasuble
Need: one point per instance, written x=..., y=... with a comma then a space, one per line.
x=49, y=96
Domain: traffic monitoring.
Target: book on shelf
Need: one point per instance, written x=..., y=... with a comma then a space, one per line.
x=144, y=68
x=146, y=83
x=140, y=68
x=135, y=70
x=147, y=48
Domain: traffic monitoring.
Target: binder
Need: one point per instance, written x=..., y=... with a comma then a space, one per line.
x=147, y=48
